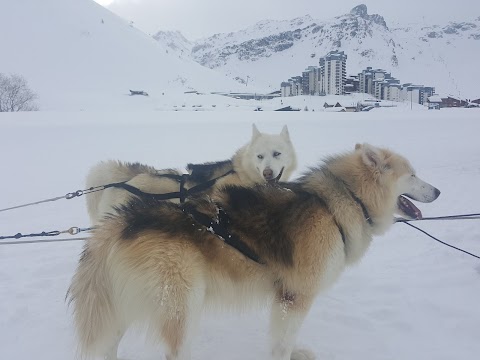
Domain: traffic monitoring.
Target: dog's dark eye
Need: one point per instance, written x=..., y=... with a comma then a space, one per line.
x=260, y=157
x=276, y=153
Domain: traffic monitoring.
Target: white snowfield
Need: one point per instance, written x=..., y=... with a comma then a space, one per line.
x=409, y=298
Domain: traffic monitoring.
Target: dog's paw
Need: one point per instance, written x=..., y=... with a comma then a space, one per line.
x=302, y=354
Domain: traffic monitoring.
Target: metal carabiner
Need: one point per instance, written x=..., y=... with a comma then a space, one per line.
x=74, y=230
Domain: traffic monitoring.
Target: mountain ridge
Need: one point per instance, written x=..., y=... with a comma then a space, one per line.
x=271, y=51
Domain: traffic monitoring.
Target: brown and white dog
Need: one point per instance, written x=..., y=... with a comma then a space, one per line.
x=155, y=263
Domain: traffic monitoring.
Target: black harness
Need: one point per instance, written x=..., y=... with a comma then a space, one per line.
x=218, y=227
x=181, y=194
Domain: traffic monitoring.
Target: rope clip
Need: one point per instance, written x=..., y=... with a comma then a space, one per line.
x=72, y=195
x=74, y=230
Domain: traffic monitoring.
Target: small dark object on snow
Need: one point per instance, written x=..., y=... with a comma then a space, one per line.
x=138, y=92
x=287, y=108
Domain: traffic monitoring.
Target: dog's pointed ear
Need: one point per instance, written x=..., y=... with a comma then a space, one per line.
x=255, y=132
x=285, y=134
x=371, y=156
x=358, y=146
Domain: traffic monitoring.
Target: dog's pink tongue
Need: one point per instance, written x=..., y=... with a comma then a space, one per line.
x=409, y=208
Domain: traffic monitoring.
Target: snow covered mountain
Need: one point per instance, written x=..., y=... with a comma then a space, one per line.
x=77, y=55
x=269, y=52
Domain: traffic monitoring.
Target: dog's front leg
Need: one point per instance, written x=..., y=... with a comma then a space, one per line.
x=288, y=312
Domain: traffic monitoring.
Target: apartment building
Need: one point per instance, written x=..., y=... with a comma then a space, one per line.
x=416, y=94
x=310, y=81
x=333, y=73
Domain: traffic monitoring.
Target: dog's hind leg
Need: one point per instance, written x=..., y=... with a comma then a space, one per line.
x=288, y=313
x=180, y=327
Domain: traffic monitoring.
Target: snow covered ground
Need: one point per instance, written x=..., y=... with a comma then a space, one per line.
x=410, y=297
x=214, y=102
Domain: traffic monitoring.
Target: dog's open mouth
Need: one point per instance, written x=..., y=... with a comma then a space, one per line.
x=276, y=179
x=408, y=209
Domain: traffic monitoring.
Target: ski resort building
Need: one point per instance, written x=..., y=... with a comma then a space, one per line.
x=417, y=94
x=333, y=73
x=330, y=78
x=310, y=81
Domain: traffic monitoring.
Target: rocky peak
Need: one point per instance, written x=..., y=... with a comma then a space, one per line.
x=360, y=10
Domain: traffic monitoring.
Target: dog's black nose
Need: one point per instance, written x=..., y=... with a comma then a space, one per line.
x=437, y=193
x=268, y=174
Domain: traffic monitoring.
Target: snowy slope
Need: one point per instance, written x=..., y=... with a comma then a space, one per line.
x=409, y=298
x=174, y=41
x=269, y=52
x=74, y=52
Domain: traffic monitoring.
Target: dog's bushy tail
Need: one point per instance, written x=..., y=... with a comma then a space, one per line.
x=90, y=294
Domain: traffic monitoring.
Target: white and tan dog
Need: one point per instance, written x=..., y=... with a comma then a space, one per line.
x=157, y=263
x=266, y=158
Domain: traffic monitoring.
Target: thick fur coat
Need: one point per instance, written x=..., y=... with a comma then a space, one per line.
x=153, y=263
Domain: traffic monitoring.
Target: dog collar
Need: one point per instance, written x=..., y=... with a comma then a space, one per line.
x=366, y=215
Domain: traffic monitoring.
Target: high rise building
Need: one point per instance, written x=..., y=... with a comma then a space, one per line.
x=333, y=73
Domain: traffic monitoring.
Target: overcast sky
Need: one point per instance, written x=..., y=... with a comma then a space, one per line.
x=202, y=18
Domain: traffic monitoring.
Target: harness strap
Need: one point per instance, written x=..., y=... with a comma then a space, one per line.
x=362, y=205
x=219, y=228
x=207, y=184
x=140, y=193
x=171, y=176
x=183, y=191
x=366, y=214
x=182, y=194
